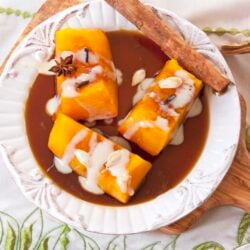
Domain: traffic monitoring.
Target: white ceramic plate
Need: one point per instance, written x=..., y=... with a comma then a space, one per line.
x=19, y=75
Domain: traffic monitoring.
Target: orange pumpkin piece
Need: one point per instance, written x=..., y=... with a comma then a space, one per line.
x=96, y=98
x=153, y=121
x=67, y=136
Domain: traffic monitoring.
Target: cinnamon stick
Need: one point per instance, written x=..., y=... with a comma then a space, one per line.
x=234, y=49
x=171, y=43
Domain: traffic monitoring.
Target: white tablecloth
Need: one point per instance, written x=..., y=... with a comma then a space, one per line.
x=222, y=228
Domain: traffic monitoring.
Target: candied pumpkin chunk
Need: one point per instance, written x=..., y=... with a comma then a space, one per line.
x=153, y=121
x=62, y=133
x=103, y=165
x=90, y=91
x=136, y=168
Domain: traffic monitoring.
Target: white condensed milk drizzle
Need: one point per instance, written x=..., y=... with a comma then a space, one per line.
x=183, y=95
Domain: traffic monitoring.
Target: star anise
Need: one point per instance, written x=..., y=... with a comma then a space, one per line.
x=64, y=67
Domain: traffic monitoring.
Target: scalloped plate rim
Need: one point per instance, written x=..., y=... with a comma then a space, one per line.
x=163, y=223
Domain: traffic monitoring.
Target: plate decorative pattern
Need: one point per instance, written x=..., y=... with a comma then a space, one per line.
x=19, y=75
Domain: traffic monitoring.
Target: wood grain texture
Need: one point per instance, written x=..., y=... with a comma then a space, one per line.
x=235, y=188
x=171, y=43
x=49, y=8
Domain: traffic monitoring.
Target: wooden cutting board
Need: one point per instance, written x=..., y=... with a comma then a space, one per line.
x=234, y=189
